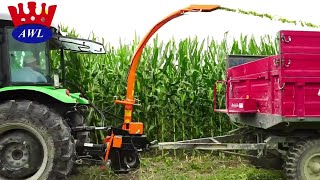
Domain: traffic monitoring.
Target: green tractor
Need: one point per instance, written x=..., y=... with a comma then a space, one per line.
x=42, y=128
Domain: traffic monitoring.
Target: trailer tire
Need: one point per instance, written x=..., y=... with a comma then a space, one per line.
x=35, y=142
x=303, y=160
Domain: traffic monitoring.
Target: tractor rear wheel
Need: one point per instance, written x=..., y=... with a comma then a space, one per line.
x=303, y=160
x=35, y=143
x=76, y=119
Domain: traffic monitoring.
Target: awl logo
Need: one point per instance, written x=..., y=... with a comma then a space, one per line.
x=32, y=27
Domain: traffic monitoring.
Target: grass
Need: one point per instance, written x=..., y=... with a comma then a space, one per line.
x=204, y=166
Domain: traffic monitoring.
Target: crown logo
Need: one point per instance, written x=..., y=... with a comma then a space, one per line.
x=44, y=18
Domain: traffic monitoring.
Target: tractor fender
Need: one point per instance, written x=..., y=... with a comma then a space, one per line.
x=61, y=95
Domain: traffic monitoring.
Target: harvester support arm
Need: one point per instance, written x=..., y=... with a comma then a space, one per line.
x=129, y=101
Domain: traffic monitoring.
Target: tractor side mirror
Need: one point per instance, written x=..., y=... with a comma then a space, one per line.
x=80, y=45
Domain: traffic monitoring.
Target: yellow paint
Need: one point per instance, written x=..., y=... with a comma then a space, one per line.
x=127, y=121
x=128, y=113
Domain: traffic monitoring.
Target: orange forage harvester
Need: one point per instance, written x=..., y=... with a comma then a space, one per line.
x=124, y=143
x=130, y=101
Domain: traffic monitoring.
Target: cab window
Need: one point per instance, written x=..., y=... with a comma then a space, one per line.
x=28, y=62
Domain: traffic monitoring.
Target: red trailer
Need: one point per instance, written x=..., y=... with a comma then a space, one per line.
x=277, y=91
x=276, y=99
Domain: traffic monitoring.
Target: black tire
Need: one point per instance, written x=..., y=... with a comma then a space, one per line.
x=76, y=119
x=298, y=157
x=270, y=161
x=130, y=159
x=124, y=161
x=21, y=121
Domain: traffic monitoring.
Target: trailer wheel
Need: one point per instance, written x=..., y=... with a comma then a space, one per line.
x=35, y=143
x=303, y=160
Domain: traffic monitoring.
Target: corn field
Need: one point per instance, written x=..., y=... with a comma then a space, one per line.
x=174, y=83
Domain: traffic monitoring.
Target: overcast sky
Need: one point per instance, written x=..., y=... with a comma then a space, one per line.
x=115, y=19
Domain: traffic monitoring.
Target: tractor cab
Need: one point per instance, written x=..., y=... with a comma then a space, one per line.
x=29, y=64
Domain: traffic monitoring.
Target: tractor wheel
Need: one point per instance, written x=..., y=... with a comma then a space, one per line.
x=35, y=143
x=76, y=119
x=303, y=160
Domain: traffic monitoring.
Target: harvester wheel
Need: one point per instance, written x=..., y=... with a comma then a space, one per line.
x=130, y=159
x=122, y=161
x=35, y=142
x=303, y=160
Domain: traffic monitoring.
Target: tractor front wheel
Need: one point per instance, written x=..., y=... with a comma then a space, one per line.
x=35, y=143
x=303, y=160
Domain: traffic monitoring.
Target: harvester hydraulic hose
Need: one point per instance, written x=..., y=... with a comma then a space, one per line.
x=91, y=104
x=86, y=97
x=98, y=110
x=117, y=117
